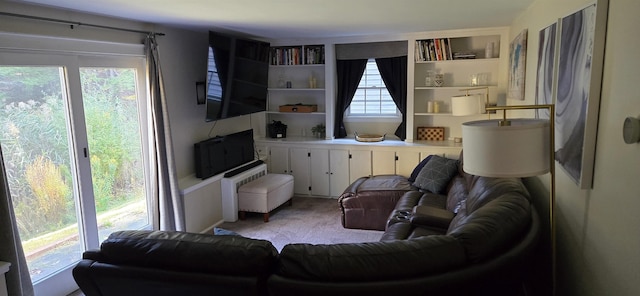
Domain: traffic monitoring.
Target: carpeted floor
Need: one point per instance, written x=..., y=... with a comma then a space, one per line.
x=308, y=220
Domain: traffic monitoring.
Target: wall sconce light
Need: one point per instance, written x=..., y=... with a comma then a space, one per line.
x=631, y=130
x=201, y=95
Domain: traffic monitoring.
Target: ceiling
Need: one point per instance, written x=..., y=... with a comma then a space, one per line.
x=307, y=18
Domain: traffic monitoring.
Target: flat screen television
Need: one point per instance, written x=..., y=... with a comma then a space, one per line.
x=237, y=76
x=222, y=153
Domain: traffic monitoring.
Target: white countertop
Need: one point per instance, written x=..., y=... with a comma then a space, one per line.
x=352, y=141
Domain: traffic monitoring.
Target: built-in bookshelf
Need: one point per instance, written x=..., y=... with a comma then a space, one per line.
x=450, y=66
x=297, y=76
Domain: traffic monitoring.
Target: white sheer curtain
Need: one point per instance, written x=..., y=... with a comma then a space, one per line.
x=168, y=205
x=18, y=279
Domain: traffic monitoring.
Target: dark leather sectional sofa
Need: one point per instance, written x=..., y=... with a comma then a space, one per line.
x=475, y=239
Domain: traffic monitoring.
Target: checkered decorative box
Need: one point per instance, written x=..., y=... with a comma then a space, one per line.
x=432, y=133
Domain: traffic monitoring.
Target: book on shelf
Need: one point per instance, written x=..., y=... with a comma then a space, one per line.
x=464, y=55
x=285, y=56
x=438, y=49
x=314, y=54
x=297, y=55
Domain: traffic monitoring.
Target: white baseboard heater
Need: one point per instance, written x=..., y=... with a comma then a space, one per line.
x=229, y=188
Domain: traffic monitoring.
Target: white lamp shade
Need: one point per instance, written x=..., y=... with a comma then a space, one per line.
x=519, y=150
x=466, y=105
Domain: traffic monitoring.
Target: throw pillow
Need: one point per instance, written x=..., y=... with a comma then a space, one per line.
x=418, y=168
x=436, y=174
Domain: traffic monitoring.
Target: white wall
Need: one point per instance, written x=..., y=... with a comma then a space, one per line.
x=598, y=237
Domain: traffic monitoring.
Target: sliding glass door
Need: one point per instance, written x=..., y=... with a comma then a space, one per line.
x=73, y=137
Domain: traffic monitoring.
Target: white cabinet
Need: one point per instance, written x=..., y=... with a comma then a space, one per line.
x=383, y=162
x=329, y=171
x=325, y=168
x=320, y=172
x=278, y=160
x=339, y=171
x=292, y=161
x=394, y=162
x=299, y=165
x=406, y=161
x=359, y=164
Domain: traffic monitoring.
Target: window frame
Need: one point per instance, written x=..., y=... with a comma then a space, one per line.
x=377, y=117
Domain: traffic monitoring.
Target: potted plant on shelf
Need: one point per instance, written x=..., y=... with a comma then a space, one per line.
x=319, y=130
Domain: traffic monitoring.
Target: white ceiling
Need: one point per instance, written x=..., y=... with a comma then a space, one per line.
x=308, y=18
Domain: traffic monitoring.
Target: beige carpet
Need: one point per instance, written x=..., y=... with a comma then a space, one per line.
x=309, y=220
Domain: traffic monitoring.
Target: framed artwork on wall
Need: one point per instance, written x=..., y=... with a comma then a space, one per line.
x=580, y=63
x=517, y=62
x=546, y=74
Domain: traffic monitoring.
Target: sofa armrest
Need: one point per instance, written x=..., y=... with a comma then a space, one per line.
x=94, y=255
x=431, y=217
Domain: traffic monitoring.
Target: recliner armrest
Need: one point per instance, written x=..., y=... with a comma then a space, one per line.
x=94, y=255
x=431, y=217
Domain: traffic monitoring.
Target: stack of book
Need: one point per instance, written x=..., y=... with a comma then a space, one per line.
x=286, y=56
x=314, y=54
x=464, y=55
x=433, y=50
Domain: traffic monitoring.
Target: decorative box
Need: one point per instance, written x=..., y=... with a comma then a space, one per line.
x=300, y=108
x=431, y=133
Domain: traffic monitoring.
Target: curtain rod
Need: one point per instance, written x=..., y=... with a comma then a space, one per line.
x=46, y=19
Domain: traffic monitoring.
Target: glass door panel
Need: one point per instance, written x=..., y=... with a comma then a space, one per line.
x=35, y=137
x=75, y=153
x=110, y=101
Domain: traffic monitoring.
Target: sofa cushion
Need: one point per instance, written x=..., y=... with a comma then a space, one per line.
x=436, y=174
x=493, y=228
x=389, y=260
x=418, y=168
x=181, y=251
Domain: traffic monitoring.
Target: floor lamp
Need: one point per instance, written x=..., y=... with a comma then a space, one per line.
x=514, y=148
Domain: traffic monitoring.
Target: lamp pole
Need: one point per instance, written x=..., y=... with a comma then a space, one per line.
x=552, y=172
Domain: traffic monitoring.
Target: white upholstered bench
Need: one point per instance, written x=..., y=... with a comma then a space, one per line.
x=264, y=194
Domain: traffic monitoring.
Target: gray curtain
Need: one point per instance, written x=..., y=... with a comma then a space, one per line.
x=167, y=202
x=18, y=279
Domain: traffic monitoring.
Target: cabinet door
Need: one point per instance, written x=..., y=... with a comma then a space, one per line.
x=278, y=160
x=383, y=162
x=299, y=168
x=338, y=171
x=407, y=161
x=320, y=184
x=359, y=164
